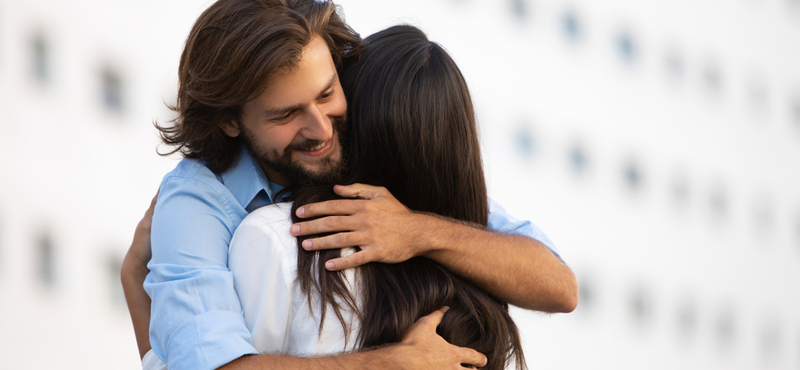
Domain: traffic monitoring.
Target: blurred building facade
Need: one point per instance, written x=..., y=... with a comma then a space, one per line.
x=656, y=142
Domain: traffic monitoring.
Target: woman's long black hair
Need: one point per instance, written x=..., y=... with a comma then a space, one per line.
x=412, y=130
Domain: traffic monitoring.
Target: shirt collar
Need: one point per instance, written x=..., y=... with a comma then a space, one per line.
x=245, y=179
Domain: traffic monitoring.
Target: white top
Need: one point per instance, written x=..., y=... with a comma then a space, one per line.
x=263, y=260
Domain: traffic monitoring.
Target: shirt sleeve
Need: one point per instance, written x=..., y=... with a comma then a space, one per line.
x=501, y=221
x=196, y=318
x=151, y=362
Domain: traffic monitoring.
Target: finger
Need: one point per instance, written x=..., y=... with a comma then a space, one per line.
x=353, y=260
x=470, y=356
x=335, y=241
x=328, y=224
x=331, y=208
x=362, y=191
x=425, y=325
x=432, y=320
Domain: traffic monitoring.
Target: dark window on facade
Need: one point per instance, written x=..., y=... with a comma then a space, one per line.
x=640, y=305
x=770, y=339
x=687, y=318
x=758, y=96
x=626, y=46
x=520, y=9
x=674, y=64
x=725, y=327
x=719, y=203
x=45, y=259
x=571, y=26
x=797, y=230
x=764, y=216
x=680, y=189
x=577, y=159
x=40, y=59
x=112, y=90
x=587, y=291
x=712, y=78
x=632, y=176
x=525, y=143
x=113, y=265
x=2, y=246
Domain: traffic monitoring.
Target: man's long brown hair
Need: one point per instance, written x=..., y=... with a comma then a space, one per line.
x=412, y=130
x=233, y=50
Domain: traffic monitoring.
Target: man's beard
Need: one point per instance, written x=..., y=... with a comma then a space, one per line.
x=330, y=172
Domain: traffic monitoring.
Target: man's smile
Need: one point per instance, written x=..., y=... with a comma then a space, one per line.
x=318, y=150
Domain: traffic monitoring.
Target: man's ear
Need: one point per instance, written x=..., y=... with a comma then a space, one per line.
x=230, y=128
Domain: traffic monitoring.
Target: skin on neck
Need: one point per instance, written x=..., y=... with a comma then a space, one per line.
x=275, y=177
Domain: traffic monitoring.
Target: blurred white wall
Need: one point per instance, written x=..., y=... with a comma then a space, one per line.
x=656, y=142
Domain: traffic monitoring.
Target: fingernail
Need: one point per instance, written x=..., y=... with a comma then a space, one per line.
x=329, y=265
x=446, y=308
x=307, y=244
x=295, y=229
x=301, y=211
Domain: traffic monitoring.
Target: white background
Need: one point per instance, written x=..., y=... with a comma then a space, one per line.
x=694, y=265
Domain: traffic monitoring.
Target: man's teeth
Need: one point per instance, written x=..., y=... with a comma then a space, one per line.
x=322, y=144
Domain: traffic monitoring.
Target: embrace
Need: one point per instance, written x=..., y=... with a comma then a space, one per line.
x=330, y=210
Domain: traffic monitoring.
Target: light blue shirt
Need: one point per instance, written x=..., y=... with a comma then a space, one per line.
x=196, y=318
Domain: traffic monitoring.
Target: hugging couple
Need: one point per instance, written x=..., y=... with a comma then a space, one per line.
x=331, y=209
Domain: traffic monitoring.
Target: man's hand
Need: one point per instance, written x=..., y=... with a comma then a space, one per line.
x=428, y=350
x=375, y=221
x=421, y=349
x=514, y=268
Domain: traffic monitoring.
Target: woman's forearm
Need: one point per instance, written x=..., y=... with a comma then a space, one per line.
x=132, y=275
x=133, y=272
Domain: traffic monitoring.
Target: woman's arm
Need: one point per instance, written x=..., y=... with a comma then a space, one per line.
x=134, y=270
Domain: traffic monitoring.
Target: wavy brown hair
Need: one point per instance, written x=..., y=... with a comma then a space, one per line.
x=232, y=51
x=413, y=131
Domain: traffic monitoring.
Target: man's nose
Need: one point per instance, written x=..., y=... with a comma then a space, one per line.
x=318, y=125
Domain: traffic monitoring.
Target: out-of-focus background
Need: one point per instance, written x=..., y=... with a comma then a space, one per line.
x=656, y=142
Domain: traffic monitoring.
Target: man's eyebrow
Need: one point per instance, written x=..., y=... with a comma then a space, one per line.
x=329, y=85
x=275, y=112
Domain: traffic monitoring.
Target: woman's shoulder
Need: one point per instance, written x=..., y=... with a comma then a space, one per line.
x=273, y=216
x=268, y=225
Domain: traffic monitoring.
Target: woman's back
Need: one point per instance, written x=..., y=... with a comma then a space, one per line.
x=263, y=261
x=412, y=130
x=282, y=320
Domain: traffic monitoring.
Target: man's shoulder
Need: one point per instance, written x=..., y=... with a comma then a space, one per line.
x=193, y=173
x=192, y=169
x=191, y=199
x=192, y=181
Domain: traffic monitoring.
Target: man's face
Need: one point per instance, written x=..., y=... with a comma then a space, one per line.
x=293, y=127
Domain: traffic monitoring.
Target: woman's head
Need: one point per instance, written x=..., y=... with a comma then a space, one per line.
x=412, y=125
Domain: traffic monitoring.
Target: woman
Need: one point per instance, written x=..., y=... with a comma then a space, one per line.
x=412, y=130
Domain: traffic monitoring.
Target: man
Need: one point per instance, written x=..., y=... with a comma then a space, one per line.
x=260, y=108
